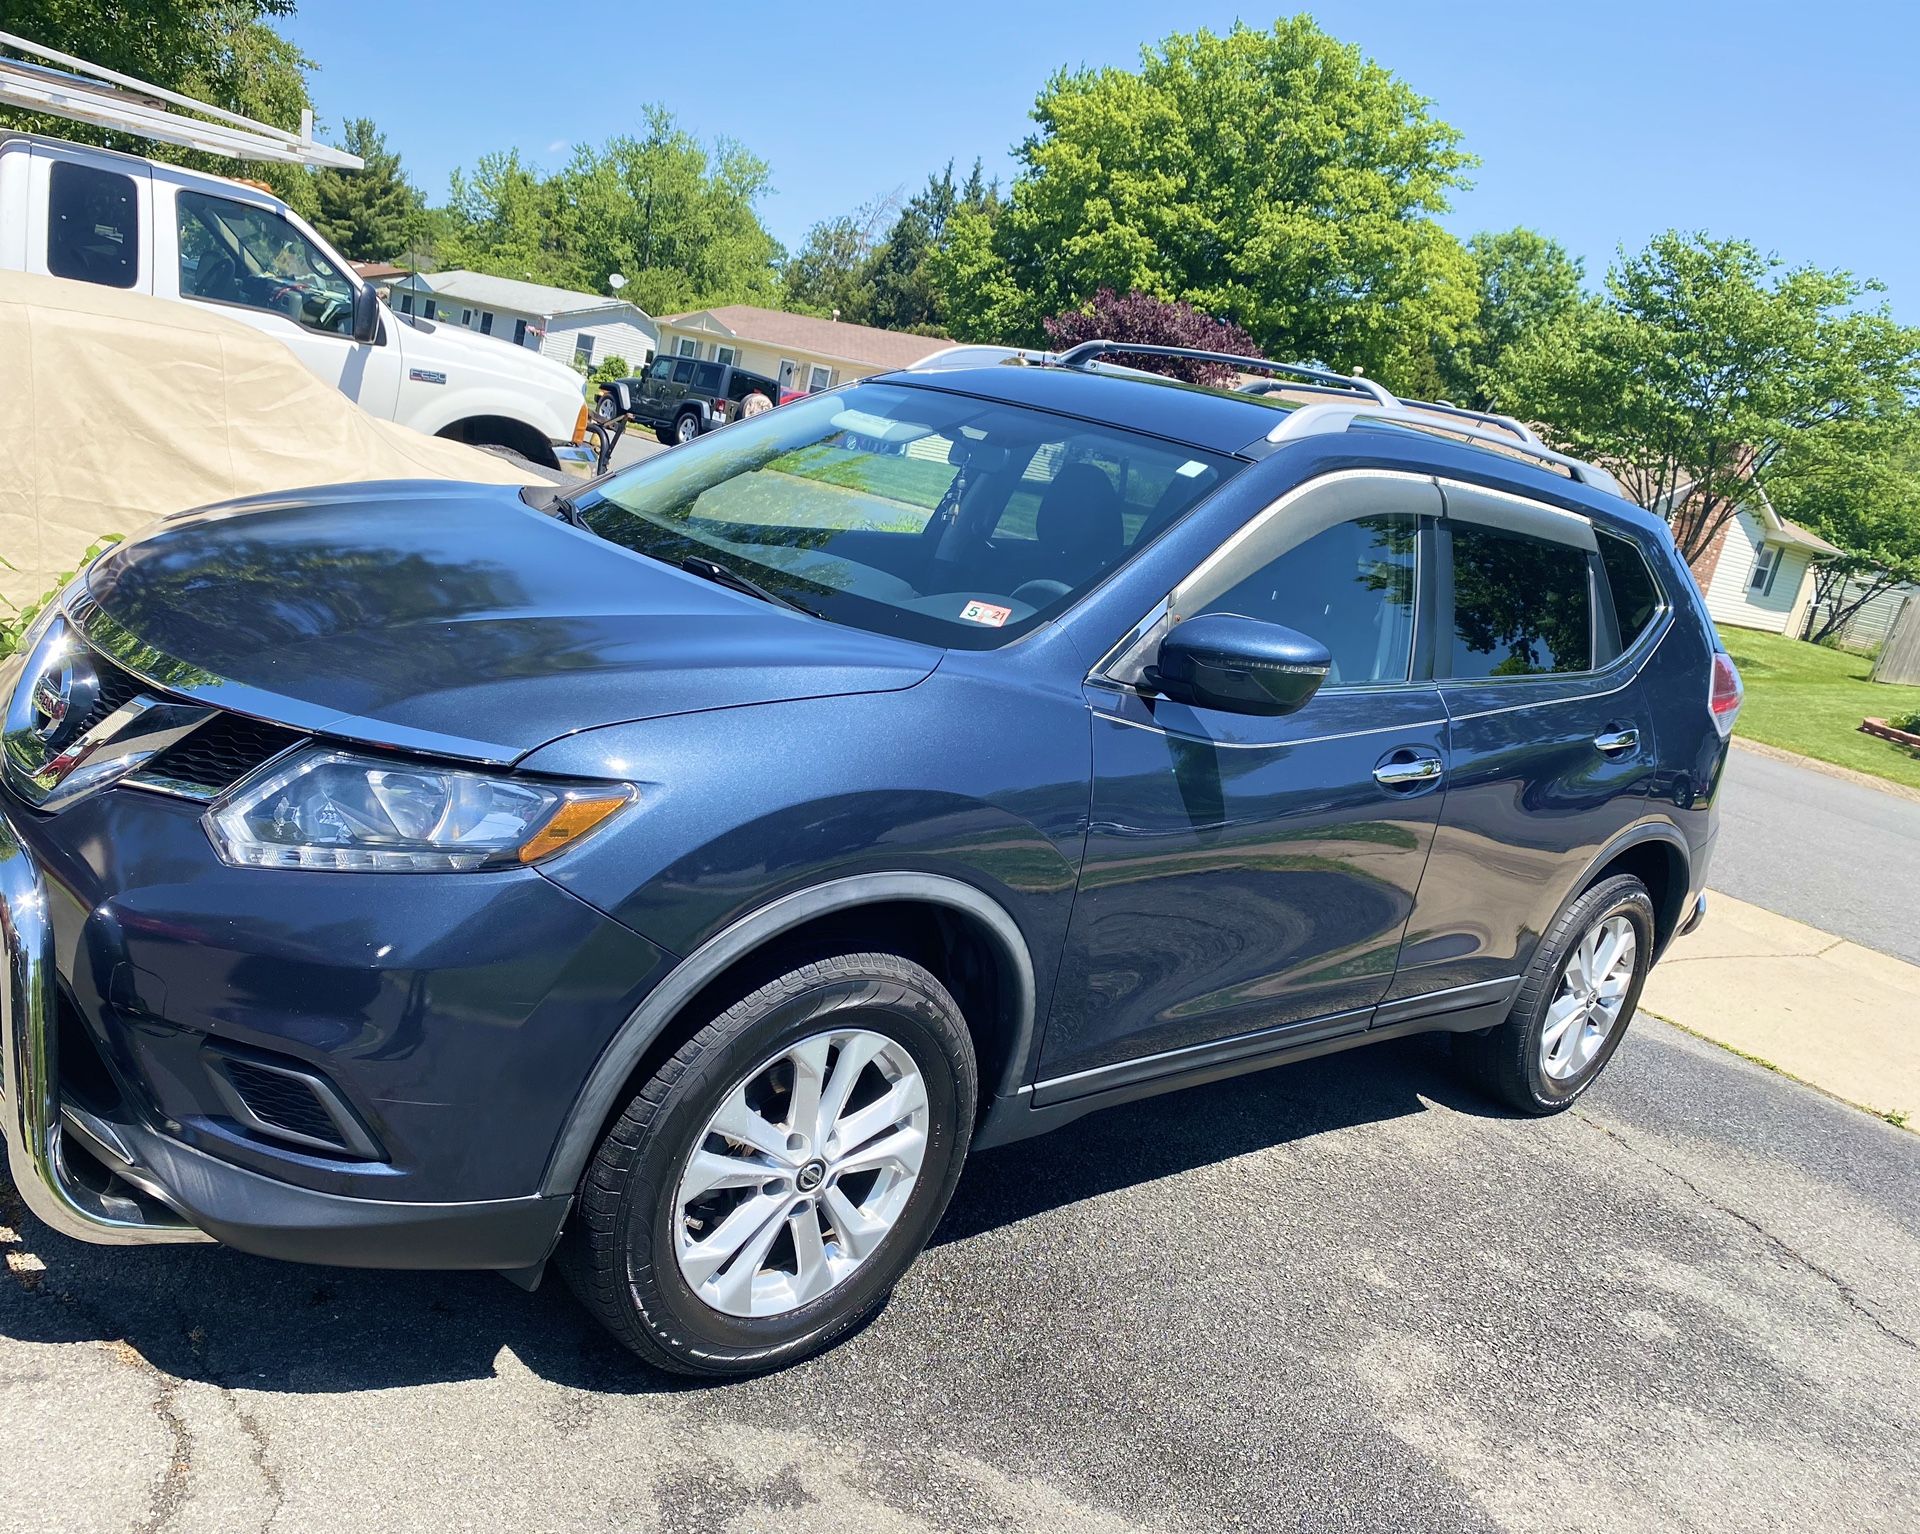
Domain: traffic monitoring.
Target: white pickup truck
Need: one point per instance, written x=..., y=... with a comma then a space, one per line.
x=93, y=215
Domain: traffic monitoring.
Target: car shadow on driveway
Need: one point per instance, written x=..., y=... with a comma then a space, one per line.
x=210, y=1314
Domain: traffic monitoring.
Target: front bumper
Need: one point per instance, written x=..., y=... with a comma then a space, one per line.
x=120, y=1180
x=30, y=1079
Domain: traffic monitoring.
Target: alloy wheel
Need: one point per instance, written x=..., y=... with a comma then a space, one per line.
x=1586, y=1008
x=801, y=1173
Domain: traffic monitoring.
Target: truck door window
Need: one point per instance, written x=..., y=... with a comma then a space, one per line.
x=234, y=253
x=93, y=225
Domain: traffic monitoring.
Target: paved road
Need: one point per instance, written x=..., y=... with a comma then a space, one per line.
x=638, y=443
x=1340, y=1296
x=1821, y=850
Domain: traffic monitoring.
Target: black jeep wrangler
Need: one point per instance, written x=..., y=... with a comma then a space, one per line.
x=680, y=397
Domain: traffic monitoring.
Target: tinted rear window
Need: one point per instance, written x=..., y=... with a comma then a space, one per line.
x=1521, y=606
x=1636, y=598
x=706, y=378
x=93, y=225
x=743, y=384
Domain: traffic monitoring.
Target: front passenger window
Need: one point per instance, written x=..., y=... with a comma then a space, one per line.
x=1351, y=587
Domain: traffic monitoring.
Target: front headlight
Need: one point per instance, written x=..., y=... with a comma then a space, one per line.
x=334, y=810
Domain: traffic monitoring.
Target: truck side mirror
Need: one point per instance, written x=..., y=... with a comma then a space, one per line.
x=366, y=314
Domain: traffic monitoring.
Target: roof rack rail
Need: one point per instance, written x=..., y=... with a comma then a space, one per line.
x=1317, y=420
x=1446, y=407
x=129, y=105
x=1087, y=351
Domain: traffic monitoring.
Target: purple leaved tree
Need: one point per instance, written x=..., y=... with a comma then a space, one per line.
x=1112, y=316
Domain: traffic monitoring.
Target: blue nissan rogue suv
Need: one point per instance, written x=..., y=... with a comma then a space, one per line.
x=678, y=879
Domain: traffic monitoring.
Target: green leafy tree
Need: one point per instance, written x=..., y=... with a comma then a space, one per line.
x=1702, y=362
x=1526, y=283
x=831, y=272
x=677, y=219
x=1856, y=482
x=903, y=291
x=1276, y=178
x=371, y=214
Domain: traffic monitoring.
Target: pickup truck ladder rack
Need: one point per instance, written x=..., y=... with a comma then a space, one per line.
x=60, y=87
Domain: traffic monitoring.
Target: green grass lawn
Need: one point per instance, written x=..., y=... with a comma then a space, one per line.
x=1803, y=698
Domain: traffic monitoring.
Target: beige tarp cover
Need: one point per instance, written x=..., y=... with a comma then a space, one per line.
x=116, y=408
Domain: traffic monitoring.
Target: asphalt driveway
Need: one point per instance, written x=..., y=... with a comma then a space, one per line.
x=1344, y=1295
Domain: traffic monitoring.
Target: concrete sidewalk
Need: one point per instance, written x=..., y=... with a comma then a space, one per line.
x=1838, y=1016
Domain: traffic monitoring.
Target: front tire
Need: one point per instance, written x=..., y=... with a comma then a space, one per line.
x=768, y=1186
x=1574, y=1003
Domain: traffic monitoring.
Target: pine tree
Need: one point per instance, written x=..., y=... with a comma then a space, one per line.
x=369, y=214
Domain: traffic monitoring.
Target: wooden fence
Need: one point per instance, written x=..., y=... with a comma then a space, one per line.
x=1900, y=656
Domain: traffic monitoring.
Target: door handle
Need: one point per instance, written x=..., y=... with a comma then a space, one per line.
x=1403, y=770
x=1612, y=742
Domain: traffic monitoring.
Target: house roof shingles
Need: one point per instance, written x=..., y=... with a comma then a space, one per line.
x=511, y=293
x=828, y=338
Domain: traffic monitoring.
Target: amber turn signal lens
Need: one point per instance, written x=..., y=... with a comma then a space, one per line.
x=580, y=427
x=570, y=822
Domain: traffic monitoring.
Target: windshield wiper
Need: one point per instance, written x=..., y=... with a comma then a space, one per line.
x=722, y=575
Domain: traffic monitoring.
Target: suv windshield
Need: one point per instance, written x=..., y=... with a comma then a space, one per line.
x=939, y=517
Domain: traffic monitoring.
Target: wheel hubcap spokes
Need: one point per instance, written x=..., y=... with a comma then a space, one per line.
x=801, y=1172
x=1587, y=1005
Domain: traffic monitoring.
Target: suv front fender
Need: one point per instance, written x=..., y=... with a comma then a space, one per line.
x=685, y=981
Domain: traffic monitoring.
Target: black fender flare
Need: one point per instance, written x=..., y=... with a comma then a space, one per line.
x=1639, y=835
x=604, y=1083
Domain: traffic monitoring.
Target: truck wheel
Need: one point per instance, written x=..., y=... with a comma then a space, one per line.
x=605, y=407
x=686, y=426
x=664, y=435
x=768, y=1186
x=1573, y=1005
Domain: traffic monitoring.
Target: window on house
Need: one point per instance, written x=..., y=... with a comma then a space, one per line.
x=725, y=354
x=486, y=322
x=429, y=309
x=686, y=346
x=789, y=373
x=1765, y=565
x=466, y=316
x=406, y=303
x=583, y=349
x=93, y=225
x=519, y=332
x=1521, y=606
x=819, y=378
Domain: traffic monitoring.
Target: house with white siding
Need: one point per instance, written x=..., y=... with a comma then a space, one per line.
x=1757, y=573
x=580, y=328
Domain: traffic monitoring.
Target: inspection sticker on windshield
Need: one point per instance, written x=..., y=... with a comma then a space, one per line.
x=987, y=613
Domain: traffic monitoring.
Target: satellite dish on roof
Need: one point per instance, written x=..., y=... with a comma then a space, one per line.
x=616, y=282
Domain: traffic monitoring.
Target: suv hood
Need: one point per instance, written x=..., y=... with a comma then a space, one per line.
x=451, y=619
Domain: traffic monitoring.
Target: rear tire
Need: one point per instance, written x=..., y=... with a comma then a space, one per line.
x=1574, y=1003
x=814, y=1232
x=686, y=426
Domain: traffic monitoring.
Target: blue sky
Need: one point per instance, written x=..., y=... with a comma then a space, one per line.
x=1795, y=126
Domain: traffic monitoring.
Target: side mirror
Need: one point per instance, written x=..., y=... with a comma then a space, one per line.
x=366, y=314
x=1239, y=665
